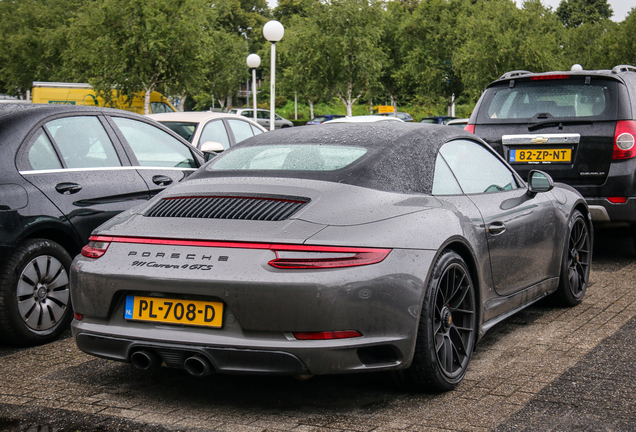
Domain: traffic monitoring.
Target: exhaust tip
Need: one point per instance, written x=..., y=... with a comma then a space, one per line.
x=198, y=366
x=145, y=360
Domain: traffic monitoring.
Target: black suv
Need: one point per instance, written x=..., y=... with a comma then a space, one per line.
x=579, y=126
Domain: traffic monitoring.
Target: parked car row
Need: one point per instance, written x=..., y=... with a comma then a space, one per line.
x=362, y=245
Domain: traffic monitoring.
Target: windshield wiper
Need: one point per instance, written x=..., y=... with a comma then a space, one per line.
x=558, y=123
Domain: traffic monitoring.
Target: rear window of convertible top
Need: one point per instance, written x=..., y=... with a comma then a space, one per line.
x=281, y=157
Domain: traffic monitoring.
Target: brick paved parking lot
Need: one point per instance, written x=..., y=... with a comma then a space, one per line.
x=544, y=369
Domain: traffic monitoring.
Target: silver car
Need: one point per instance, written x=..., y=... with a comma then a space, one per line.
x=346, y=248
x=263, y=117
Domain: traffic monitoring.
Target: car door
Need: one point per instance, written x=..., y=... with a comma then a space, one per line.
x=520, y=229
x=81, y=169
x=160, y=158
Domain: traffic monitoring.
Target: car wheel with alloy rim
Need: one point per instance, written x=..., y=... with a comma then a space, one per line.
x=447, y=329
x=35, y=302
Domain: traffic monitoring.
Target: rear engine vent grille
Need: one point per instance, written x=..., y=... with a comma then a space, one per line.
x=262, y=208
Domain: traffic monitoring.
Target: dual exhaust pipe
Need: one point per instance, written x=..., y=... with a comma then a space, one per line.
x=196, y=365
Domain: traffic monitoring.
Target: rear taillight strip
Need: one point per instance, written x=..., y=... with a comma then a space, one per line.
x=287, y=256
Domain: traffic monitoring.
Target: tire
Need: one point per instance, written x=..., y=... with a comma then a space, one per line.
x=576, y=262
x=35, y=302
x=447, y=329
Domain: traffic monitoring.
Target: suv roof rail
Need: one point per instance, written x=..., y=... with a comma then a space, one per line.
x=624, y=68
x=514, y=73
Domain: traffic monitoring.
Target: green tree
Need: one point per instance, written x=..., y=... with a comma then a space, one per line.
x=33, y=40
x=302, y=67
x=587, y=44
x=499, y=38
x=573, y=13
x=140, y=45
x=432, y=37
x=619, y=44
x=351, y=58
x=224, y=67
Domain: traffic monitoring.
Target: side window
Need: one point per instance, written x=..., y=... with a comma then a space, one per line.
x=263, y=115
x=41, y=154
x=153, y=147
x=215, y=131
x=246, y=113
x=256, y=130
x=476, y=169
x=444, y=182
x=83, y=142
x=241, y=130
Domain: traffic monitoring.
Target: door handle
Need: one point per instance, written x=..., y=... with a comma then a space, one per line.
x=496, y=228
x=68, y=188
x=161, y=180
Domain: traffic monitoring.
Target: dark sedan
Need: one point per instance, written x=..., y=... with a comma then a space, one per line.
x=350, y=248
x=64, y=171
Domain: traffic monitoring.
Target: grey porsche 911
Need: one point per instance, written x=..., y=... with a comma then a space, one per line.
x=345, y=248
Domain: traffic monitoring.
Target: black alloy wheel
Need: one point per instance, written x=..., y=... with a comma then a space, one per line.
x=575, y=266
x=447, y=330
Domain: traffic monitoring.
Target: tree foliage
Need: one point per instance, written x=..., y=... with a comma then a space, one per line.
x=416, y=51
x=140, y=45
x=350, y=60
x=501, y=38
x=33, y=40
x=573, y=13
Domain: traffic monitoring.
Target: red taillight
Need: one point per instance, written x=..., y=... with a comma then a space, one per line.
x=327, y=335
x=320, y=257
x=96, y=246
x=624, y=147
x=470, y=128
x=548, y=77
x=78, y=316
x=617, y=200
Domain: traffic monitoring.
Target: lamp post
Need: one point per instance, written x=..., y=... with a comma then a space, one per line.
x=253, y=61
x=273, y=32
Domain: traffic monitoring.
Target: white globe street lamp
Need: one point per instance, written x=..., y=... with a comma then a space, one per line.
x=253, y=61
x=273, y=32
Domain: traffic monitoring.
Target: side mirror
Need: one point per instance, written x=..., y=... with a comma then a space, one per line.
x=210, y=149
x=539, y=181
x=212, y=146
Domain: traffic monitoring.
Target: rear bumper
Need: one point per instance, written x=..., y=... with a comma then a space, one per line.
x=604, y=211
x=289, y=357
x=620, y=182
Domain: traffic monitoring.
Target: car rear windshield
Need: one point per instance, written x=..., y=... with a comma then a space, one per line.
x=303, y=157
x=184, y=129
x=536, y=100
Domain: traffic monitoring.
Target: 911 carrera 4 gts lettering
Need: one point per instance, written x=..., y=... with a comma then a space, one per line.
x=172, y=266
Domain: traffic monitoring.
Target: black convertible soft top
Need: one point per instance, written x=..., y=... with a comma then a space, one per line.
x=400, y=156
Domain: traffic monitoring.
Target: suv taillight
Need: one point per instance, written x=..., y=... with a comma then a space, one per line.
x=624, y=140
x=470, y=128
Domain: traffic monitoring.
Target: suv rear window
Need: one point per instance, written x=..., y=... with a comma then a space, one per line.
x=550, y=98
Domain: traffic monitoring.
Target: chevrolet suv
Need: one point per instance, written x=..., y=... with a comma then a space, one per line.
x=578, y=125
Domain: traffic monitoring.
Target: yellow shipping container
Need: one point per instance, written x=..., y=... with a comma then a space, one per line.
x=83, y=94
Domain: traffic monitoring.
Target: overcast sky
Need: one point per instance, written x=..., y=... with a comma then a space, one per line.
x=620, y=7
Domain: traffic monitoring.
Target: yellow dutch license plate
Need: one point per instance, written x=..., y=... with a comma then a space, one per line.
x=173, y=311
x=541, y=155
